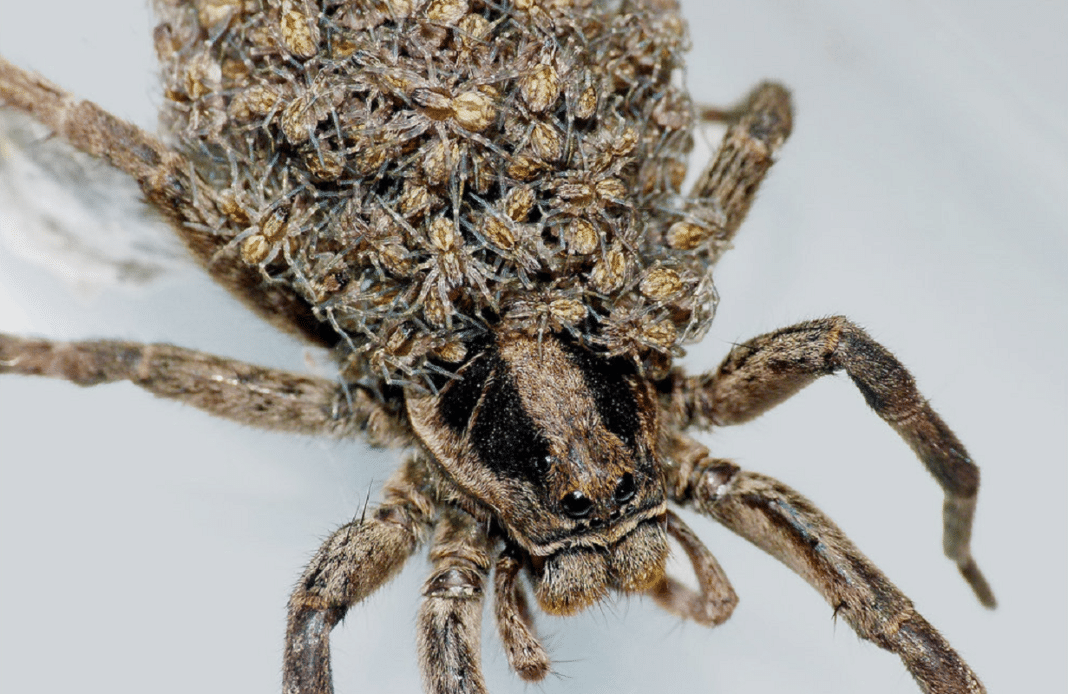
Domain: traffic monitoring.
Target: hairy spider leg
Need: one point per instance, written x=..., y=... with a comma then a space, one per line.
x=789, y=527
x=450, y=618
x=171, y=186
x=353, y=563
x=269, y=399
x=761, y=373
x=721, y=196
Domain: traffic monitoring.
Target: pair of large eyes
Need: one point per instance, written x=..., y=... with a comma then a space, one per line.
x=578, y=505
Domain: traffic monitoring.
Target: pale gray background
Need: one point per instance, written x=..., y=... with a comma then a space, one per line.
x=145, y=547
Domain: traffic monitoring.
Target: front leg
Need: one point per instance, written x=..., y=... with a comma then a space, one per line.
x=450, y=619
x=789, y=527
x=353, y=563
x=761, y=373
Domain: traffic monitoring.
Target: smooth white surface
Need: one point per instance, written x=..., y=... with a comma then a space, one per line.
x=924, y=193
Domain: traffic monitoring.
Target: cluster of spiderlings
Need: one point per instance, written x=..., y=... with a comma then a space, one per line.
x=422, y=171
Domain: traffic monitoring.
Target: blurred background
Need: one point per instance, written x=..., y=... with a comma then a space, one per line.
x=924, y=194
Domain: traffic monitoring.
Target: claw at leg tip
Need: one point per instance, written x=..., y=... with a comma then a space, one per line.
x=974, y=577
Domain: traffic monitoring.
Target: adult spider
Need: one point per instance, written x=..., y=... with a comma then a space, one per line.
x=654, y=284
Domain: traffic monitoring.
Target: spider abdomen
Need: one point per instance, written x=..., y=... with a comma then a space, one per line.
x=421, y=173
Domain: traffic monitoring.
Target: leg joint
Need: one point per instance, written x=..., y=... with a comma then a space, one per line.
x=455, y=582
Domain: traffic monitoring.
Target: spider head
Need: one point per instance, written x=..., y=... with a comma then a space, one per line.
x=559, y=444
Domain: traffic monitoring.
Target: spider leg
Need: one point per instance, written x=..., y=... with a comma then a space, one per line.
x=761, y=373
x=723, y=193
x=450, y=618
x=716, y=600
x=515, y=624
x=353, y=563
x=265, y=398
x=170, y=184
x=790, y=528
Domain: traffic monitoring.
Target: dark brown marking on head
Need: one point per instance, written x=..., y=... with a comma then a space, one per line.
x=503, y=434
x=609, y=382
x=458, y=401
x=557, y=440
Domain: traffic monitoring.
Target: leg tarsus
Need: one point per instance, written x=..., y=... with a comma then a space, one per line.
x=768, y=102
x=307, y=657
x=930, y=658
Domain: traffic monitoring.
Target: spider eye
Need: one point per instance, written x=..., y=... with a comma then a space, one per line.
x=576, y=504
x=626, y=489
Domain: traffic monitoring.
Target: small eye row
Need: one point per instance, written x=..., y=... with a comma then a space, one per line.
x=578, y=505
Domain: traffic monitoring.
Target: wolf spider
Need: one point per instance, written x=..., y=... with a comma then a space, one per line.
x=536, y=457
